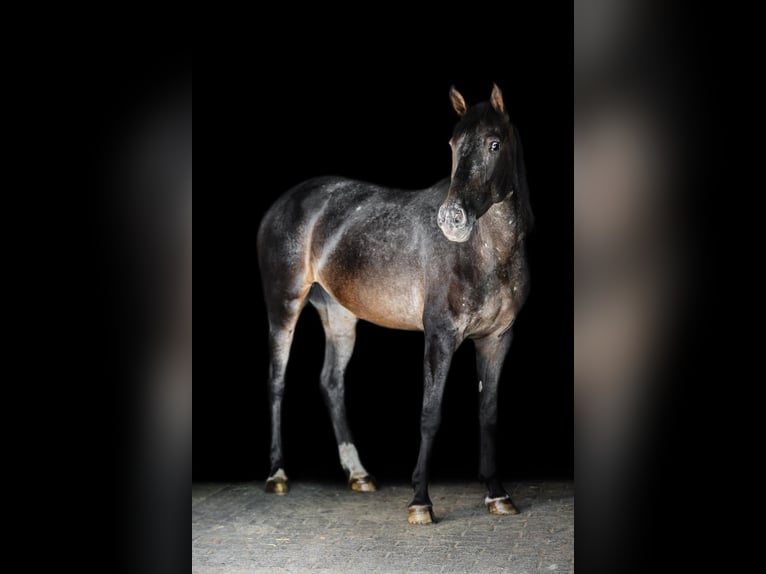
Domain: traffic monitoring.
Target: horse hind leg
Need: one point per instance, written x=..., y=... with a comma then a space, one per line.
x=285, y=299
x=340, y=335
x=283, y=315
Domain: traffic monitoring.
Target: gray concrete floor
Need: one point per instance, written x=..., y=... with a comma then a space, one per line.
x=328, y=528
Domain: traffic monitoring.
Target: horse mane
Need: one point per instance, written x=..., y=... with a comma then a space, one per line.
x=523, y=204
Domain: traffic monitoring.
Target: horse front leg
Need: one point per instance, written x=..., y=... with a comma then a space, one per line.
x=490, y=356
x=439, y=348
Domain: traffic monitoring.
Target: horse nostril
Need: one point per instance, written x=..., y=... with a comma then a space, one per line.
x=442, y=216
x=459, y=217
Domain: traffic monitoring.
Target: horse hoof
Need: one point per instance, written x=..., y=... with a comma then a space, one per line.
x=420, y=514
x=362, y=483
x=501, y=506
x=277, y=484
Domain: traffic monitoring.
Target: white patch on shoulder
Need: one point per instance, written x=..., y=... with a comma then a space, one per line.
x=481, y=385
x=279, y=474
x=349, y=460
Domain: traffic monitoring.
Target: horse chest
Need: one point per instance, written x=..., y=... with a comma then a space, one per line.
x=485, y=302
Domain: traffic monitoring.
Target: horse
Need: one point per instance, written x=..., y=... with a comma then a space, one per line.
x=449, y=260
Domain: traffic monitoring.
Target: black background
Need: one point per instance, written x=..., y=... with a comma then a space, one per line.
x=386, y=120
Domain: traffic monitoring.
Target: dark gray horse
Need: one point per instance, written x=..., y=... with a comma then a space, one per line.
x=448, y=260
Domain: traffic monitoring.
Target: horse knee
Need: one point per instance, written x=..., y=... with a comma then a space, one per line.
x=429, y=423
x=331, y=383
x=488, y=416
x=488, y=426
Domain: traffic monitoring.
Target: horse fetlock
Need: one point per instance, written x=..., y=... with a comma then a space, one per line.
x=349, y=460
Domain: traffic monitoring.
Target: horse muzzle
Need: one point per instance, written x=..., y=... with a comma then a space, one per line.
x=454, y=222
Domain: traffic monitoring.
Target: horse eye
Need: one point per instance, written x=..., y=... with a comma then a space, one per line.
x=494, y=146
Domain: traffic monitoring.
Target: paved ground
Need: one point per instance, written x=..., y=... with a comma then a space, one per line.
x=327, y=528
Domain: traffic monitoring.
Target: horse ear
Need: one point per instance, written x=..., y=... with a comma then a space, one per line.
x=497, y=99
x=457, y=101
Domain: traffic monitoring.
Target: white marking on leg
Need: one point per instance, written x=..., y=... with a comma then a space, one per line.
x=279, y=475
x=349, y=460
x=487, y=499
x=480, y=385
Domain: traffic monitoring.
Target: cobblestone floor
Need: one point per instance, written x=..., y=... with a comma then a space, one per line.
x=238, y=528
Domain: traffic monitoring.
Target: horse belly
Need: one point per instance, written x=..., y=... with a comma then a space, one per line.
x=375, y=295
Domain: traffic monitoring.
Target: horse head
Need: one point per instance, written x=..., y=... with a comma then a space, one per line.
x=482, y=164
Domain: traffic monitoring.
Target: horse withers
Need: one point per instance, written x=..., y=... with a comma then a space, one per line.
x=448, y=261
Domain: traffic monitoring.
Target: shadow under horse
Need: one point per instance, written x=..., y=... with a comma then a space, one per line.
x=449, y=261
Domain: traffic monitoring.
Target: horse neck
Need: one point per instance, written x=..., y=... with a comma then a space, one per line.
x=499, y=228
